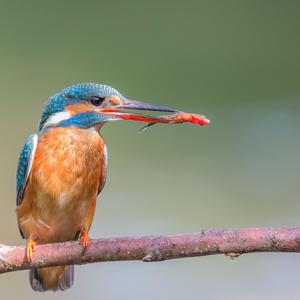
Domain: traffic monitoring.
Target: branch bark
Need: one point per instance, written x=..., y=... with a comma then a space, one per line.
x=232, y=242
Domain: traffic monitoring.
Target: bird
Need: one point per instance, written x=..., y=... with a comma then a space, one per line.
x=62, y=169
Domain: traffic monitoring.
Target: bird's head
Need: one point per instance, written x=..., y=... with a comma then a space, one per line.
x=87, y=105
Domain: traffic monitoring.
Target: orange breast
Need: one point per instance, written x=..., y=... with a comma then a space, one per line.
x=68, y=160
x=66, y=175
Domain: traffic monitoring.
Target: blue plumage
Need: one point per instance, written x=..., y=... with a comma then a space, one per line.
x=24, y=165
x=84, y=120
x=74, y=94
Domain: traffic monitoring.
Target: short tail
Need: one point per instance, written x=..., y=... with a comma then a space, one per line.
x=54, y=279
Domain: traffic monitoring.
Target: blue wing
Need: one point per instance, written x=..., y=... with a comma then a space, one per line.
x=24, y=165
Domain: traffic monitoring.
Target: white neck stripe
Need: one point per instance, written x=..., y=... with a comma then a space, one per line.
x=57, y=118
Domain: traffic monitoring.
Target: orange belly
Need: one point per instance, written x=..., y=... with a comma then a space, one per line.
x=60, y=197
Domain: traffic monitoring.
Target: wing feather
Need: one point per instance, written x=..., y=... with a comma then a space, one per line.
x=24, y=165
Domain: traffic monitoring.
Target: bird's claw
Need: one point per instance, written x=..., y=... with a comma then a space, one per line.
x=84, y=239
x=29, y=249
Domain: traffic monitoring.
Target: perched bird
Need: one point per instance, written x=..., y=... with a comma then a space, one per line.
x=62, y=169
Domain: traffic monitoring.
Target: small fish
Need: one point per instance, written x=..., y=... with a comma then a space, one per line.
x=178, y=117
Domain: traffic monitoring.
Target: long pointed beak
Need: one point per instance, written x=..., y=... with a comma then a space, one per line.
x=138, y=105
x=117, y=112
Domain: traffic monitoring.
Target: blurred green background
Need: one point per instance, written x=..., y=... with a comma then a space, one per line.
x=236, y=62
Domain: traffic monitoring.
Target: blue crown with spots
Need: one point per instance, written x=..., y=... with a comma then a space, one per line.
x=74, y=94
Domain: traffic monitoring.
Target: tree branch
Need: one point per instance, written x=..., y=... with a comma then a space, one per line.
x=232, y=242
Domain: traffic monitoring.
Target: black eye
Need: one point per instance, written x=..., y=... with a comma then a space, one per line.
x=97, y=101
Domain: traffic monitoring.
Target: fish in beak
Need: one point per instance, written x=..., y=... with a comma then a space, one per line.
x=117, y=108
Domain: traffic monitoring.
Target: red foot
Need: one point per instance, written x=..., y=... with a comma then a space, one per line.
x=84, y=238
x=29, y=249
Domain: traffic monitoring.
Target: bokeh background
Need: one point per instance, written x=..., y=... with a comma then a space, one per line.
x=236, y=62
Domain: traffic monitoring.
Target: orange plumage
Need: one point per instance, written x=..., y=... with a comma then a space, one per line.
x=67, y=173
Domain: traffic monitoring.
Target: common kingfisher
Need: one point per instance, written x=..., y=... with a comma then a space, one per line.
x=62, y=169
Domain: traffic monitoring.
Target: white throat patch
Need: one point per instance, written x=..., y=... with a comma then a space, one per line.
x=58, y=117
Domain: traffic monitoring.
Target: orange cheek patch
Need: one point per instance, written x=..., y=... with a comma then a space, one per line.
x=78, y=108
x=115, y=100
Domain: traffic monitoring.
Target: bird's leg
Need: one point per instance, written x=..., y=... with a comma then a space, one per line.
x=84, y=238
x=29, y=249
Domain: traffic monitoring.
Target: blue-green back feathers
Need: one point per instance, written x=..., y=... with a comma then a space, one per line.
x=24, y=165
